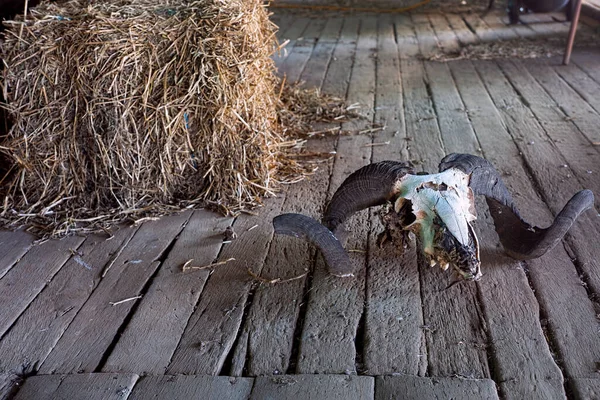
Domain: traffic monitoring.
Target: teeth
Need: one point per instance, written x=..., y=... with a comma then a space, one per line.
x=445, y=266
x=432, y=263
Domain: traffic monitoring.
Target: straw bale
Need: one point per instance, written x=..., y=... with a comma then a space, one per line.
x=139, y=107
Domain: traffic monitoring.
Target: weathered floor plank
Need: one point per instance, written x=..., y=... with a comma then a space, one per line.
x=577, y=109
x=393, y=316
x=293, y=65
x=314, y=387
x=318, y=63
x=173, y=295
x=289, y=35
x=181, y=387
x=417, y=388
x=445, y=35
x=9, y=384
x=454, y=339
x=335, y=305
x=77, y=387
x=29, y=276
x=212, y=329
x=13, y=245
x=85, y=342
x=464, y=35
x=428, y=43
x=586, y=389
x=266, y=342
x=522, y=360
x=39, y=328
x=563, y=298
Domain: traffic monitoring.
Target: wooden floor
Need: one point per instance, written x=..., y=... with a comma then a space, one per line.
x=118, y=317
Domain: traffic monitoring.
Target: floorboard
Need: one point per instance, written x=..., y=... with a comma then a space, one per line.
x=87, y=339
x=266, y=314
x=173, y=294
x=182, y=387
x=25, y=347
x=414, y=388
x=78, y=387
x=313, y=387
x=335, y=305
x=521, y=356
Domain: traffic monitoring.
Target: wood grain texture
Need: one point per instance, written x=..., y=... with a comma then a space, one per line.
x=521, y=355
x=335, y=305
x=181, y=387
x=393, y=316
x=39, y=328
x=428, y=42
x=29, y=276
x=417, y=388
x=13, y=245
x=563, y=298
x=289, y=35
x=266, y=342
x=464, y=35
x=313, y=387
x=212, y=329
x=446, y=37
x=586, y=389
x=161, y=318
x=453, y=321
x=298, y=57
x=78, y=387
x=84, y=343
x=9, y=384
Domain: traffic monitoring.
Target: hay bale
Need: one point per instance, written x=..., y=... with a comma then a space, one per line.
x=139, y=106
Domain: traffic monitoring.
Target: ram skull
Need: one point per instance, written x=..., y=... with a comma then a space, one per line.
x=438, y=208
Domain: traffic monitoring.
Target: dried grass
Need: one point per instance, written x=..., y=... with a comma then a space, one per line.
x=129, y=109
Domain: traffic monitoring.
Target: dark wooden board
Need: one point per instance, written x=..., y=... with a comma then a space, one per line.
x=313, y=387
x=266, y=342
x=293, y=65
x=13, y=245
x=29, y=276
x=336, y=84
x=78, y=386
x=454, y=339
x=290, y=35
x=335, y=305
x=579, y=81
x=393, y=316
x=464, y=35
x=502, y=30
x=417, y=388
x=406, y=38
x=212, y=329
x=586, y=389
x=559, y=290
x=588, y=61
x=181, y=387
x=521, y=356
x=9, y=384
x=579, y=155
x=445, y=35
x=171, y=298
x=86, y=340
x=428, y=43
x=321, y=56
x=39, y=328
x=576, y=107
x=481, y=28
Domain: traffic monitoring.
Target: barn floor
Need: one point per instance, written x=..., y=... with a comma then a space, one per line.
x=116, y=318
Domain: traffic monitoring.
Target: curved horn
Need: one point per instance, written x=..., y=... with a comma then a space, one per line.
x=520, y=239
x=301, y=226
x=369, y=186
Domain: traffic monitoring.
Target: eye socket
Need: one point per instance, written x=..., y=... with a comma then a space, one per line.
x=405, y=213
